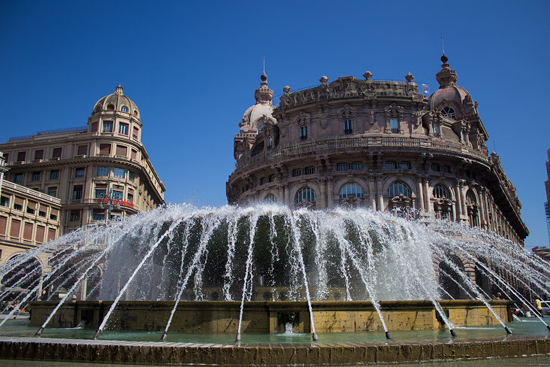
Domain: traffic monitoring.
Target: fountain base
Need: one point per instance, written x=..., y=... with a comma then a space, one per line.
x=269, y=317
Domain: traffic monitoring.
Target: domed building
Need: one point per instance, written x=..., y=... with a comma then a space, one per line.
x=100, y=171
x=375, y=144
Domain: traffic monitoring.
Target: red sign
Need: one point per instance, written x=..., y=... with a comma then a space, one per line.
x=115, y=202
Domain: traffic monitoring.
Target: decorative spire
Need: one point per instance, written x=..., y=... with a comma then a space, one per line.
x=118, y=90
x=263, y=94
x=446, y=76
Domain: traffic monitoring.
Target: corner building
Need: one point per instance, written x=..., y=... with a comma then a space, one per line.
x=90, y=167
x=376, y=144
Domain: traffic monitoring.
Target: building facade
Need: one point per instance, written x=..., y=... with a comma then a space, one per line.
x=99, y=172
x=376, y=144
x=547, y=186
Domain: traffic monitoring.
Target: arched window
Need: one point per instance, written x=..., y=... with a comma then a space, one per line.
x=260, y=127
x=111, y=107
x=449, y=112
x=470, y=198
x=124, y=109
x=441, y=192
x=270, y=199
x=398, y=188
x=305, y=194
x=351, y=189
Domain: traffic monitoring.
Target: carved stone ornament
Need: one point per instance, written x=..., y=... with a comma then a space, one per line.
x=443, y=205
x=351, y=201
x=323, y=120
x=302, y=119
x=305, y=204
x=394, y=111
x=370, y=117
x=347, y=112
x=400, y=201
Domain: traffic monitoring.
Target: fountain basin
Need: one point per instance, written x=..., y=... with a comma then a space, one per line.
x=270, y=317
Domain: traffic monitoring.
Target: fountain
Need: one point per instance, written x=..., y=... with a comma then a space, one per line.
x=268, y=270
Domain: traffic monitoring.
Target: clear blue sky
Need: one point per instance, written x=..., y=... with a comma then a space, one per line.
x=192, y=68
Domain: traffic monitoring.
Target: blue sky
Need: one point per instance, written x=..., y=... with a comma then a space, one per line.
x=192, y=68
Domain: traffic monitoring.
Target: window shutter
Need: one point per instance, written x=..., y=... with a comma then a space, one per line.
x=39, y=237
x=15, y=226
x=3, y=223
x=56, y=153
x=31, y=205
x=82, y=150
x=27, y=233
x=39, y=154
x=105, y=149
x=19, y=201
x=51, y=234
x=94, y=127
x=134, y=154
x=121, y=150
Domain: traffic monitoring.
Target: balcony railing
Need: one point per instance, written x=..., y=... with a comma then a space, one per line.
x=364, y=142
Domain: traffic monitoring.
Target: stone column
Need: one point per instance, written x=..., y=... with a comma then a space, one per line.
x=427, y=195
x=379, y=193
x=323, y=193
x=420, y=195
x=287, y=194
x=458, y=205
x=372, y=193
x=330, y=188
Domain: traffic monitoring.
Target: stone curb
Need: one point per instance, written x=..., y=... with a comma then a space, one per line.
x=158, y=353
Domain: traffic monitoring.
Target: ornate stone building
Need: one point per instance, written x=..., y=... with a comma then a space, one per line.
x=377, y=144
x=90, y=167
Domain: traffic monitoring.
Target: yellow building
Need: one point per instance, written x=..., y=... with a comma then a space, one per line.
x=90, y=167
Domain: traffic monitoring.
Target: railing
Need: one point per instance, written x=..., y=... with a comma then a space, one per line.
x=26, y=190
x=365, y=142
x=49, y=132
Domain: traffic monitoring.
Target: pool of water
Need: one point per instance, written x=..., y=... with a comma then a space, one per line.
x=526, y=326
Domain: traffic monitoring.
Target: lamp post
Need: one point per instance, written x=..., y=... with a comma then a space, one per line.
x=107, y=202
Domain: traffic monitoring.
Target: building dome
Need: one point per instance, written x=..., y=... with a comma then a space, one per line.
x=263, y=107
x=449, y=95
x=118, y=102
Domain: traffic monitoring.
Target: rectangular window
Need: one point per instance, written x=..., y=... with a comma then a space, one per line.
x=131, y=176
x=405, y=165
x=21, y=156
x=447, y=169
x=269, y=141
x=118, y=172
x=342, y=167
x=79, y=172
x=391, y=165
x=18, y=207
x=303, y=132
x=53, y=214
x=39, y=236
x=348, y=128
x=117, y=195
x=39, y=154
x=130, y=198
x=82, y=149
x=3, y=225
x=98, y=215
x=56, y=153
x=357, y=166
x=77, y=192
x=116, y=217
x=6, y=157
x=134, y=154
x=135, y=133
x=54, y=175
x=30, y=210
x=75, y=215
x=41, y=214
x=4, y=201
x=102, y=171
x=18, y=177
x=27, y=231
x=99, y=193
x=105, y=149
x=15, y=227
x=107, y=126
x=296, y=172
x=94, y=127
x=121, y=151
x=436, y=167
x=435, y=129
x=123, y=128
x=51, y=234
x=52, y=191
x=35, y=176
x=310, y=170
x=394, y=126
